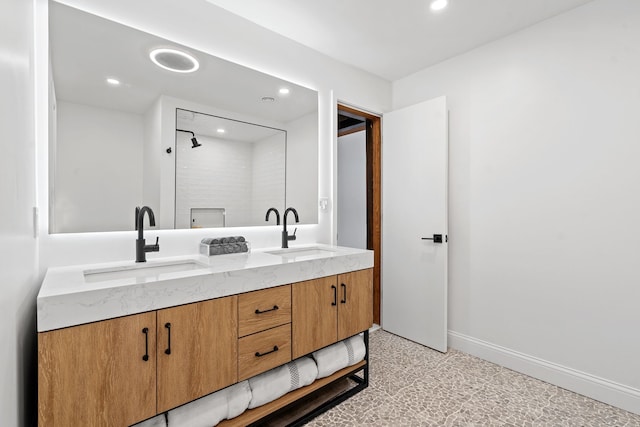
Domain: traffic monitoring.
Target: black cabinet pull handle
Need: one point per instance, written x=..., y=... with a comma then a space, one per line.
x=275, y=348
x=168, y=326
x=344, y=293
x=275, y=307
x=145, y=331
x=335, y=295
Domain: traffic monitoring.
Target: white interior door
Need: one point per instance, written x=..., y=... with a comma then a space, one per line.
x=414, y=206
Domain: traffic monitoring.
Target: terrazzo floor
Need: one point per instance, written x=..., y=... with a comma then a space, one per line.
x=411, y=385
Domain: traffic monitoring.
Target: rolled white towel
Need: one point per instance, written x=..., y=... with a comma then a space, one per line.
x=339, y=355
x=157, y=421
x=238, y=398
x=356, y=349
x=269, y=386
x=279, y=381
x=210, y=410
x=204, y=412
x=303, y=372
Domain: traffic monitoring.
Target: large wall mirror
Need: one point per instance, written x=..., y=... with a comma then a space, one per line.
x=122, y=130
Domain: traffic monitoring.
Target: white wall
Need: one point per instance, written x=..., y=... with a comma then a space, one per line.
x=218, y=174
x=18, y=247
x=151, y=154
x=545, y=198
x=352, y=190
x=268, y=176
x=93, y=142
x=302, y=167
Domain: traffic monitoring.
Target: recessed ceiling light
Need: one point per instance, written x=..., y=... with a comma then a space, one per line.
x=220, y=130
x=437, y=5
x=284, y=91
x=113, y=82
x=268, y=99
x=174, y=60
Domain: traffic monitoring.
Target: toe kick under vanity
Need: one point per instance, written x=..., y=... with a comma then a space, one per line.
x=120, y=343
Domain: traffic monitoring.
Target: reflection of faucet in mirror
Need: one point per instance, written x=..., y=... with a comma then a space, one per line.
x=266, y=218
x=285, y=235
x=141, y=248
x=194, y=141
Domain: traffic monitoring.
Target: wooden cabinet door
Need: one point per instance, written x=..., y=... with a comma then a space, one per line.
x=96, y=375
x=314, y=322
x=355, y=302
x=197, y=350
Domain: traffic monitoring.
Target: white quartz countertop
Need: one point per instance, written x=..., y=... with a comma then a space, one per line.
x=68, y=298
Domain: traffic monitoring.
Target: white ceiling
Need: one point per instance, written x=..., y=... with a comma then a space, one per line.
x=395, y=38
x=86, y=49
x=234, y=130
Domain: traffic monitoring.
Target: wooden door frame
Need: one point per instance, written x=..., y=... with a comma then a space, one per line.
x=374, y=207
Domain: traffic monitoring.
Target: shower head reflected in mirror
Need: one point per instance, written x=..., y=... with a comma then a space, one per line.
x=194, y=141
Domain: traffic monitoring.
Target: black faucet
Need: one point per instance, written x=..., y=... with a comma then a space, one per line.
x=266, y=218
x=141, y=248
x=285, y=235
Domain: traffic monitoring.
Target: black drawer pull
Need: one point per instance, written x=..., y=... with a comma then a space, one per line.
x=335, y=295
x=168, y=326
x=145, y=331
x=275, y=348
x=344, y=293
x=275, y=307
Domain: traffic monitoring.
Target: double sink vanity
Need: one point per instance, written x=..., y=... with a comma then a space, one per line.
x=119, y=343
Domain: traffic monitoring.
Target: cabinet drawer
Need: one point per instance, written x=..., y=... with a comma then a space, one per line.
x=256, y=353
x=264, y=309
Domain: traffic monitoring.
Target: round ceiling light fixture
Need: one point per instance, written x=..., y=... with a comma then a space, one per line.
x=113, y=81
x=174, y=60
x=438, y=5
x=284, y=91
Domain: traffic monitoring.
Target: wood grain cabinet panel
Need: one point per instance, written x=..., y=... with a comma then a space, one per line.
x=197, y=350
x=330, y=309
x=264, y=309
x=355, y=303
x=257, y=353
x=95, y=374
x=314, y=320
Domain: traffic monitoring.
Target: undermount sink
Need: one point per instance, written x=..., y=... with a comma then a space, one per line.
x=140, y=270
x=302, y=253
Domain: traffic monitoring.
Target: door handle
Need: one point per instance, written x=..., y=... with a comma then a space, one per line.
x=437, y=238
x=145, y=331
x=335, y=295
x=168, y=326
x=344, y=293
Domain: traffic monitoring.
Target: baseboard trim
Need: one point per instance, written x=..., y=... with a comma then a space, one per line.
x=612, y=393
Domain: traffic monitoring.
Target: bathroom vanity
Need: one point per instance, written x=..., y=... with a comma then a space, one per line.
x=119, y=343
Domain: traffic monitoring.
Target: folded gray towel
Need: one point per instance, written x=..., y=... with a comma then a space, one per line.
x=223, y=245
